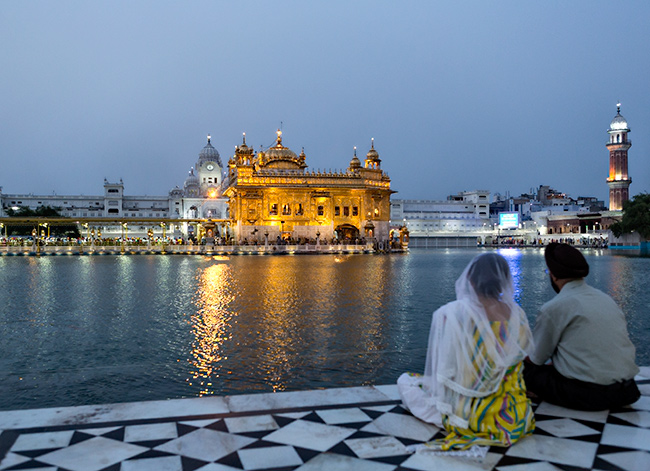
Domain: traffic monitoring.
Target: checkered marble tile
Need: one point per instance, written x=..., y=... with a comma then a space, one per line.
x=354, y=429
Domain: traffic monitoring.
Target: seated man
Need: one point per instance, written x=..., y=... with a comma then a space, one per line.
x=584, y=334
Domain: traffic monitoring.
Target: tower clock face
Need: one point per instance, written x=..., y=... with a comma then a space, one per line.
x=210, y=167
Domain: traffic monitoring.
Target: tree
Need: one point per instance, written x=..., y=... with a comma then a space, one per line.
x=65, y=230
x=636, y=217
x=41, y=211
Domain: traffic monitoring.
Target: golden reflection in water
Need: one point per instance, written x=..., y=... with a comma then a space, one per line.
x=372, y=323
x=290, y=341
x=210, y=325
x=280, y=293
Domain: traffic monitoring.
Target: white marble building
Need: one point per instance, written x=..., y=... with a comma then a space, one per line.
x=200, y=197
x=468, y=211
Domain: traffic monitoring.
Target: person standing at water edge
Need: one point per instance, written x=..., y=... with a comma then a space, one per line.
x=472, y=384
x=584, y=334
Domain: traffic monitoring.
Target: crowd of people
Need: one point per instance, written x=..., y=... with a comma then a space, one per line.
x=26, y=241
x=593, y=242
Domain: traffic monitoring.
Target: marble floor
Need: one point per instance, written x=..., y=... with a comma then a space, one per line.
x=357, y=429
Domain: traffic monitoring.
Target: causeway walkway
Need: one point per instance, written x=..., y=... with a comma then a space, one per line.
x=356, y=429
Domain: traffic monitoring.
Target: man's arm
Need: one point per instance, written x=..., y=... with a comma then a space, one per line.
x=546, y=335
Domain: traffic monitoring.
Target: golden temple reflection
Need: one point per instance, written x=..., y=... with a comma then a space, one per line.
x=210, y=325
x=372, y=323
x=279, y=297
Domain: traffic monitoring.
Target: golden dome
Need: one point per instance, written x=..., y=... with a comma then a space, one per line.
x=279, y=156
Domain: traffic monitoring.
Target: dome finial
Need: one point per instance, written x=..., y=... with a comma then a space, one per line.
x=618, y=107
x=244, y=138
x=372, y=142
x=209, y=138
x=355, y=151
x=279, y=133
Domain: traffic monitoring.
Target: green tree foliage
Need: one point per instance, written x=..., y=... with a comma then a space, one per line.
x=41, y=211
x=44, y=212
x=636, y=217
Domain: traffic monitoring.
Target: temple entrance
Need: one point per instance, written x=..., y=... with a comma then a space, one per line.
x=347, y=232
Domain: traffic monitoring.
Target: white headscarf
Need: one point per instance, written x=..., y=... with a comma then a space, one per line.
x=465, y=358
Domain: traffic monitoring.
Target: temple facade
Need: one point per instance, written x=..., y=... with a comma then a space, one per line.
x=272, y=195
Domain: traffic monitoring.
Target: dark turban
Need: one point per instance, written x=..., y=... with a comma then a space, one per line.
x=565, y=261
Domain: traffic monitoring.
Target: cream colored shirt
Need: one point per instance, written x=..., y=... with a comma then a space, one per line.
x=584, y=333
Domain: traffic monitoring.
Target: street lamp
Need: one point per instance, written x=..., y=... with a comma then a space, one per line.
x=124, y=231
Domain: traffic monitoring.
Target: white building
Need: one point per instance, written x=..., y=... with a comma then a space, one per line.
x=469, y=211
x=200, y=197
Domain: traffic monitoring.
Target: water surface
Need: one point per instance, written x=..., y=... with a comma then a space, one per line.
x=85, y=330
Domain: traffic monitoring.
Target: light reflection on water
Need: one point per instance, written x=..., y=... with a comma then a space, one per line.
x=210, y=325
x=81, y=330
x=513, y=256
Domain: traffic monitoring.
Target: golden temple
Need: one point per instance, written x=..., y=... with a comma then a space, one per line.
x=272, y=195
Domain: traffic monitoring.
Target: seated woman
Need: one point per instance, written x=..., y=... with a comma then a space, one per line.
x=472, y=383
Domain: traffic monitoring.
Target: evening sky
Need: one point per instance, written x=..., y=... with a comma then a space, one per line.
x=502, y=96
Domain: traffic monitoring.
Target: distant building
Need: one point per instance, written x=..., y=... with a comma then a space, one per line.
x=465, y=214
x=200, y=197
x=618, y=145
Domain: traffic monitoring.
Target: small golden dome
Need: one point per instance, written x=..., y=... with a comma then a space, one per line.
x=372, y=153
x=355, y=162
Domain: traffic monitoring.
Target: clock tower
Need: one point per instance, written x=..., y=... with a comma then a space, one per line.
x=209, y=170
x=618, y=145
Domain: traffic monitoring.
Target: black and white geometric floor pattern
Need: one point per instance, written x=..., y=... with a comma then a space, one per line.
x=323, y=430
